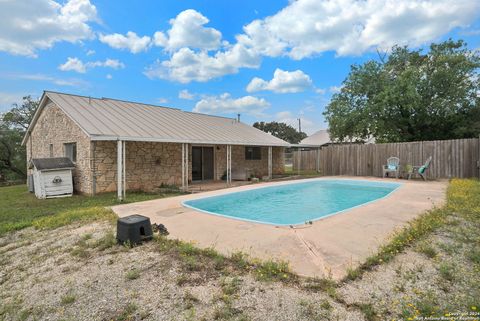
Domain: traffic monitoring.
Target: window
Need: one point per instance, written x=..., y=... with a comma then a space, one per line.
x=51, y=150
x=253, y=153
x=71, y=151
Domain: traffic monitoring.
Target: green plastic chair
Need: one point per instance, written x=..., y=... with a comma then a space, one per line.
x=420, y=170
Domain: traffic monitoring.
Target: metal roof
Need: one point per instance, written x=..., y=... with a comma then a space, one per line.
x=322, y=137
x=112, y=119
x=52, y=163
x=318, y=138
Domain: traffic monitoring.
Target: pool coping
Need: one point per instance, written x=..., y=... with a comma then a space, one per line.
x=183, y=203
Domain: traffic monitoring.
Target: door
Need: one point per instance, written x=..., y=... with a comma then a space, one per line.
x=202, y=163
x=207, y=163
x=197, y=163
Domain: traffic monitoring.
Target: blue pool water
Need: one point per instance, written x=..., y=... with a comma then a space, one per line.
x=294, y=203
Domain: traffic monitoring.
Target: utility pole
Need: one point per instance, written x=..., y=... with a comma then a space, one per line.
x=300, y=125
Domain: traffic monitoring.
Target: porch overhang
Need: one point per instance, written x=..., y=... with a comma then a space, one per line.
x=183, y=141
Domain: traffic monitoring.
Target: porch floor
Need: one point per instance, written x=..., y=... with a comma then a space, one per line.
x=327, y=247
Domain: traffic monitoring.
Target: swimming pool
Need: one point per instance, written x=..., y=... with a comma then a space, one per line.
x=294, y=203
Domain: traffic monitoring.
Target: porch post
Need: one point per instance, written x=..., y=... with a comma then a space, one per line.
x=229, y=164
x=186, y=166
x=183, y=166
x=119, y=170
x=124, y=174
x=269, y=162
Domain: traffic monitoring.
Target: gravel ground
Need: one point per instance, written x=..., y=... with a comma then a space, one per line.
x=77, y=273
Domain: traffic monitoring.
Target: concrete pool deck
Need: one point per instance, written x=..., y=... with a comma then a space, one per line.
x=327, y=247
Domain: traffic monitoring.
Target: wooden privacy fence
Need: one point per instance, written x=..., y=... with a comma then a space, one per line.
x=450, y=158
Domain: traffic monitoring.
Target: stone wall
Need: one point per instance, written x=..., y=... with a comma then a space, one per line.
x=148, y=165
x=56, y=128
x=151, y=164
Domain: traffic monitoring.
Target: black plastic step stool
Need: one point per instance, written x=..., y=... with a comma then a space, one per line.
x=134, y=229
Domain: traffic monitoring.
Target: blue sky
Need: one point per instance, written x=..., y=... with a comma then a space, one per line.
x=267, y=60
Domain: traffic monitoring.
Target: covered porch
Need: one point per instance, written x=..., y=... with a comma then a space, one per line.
x=192, y=167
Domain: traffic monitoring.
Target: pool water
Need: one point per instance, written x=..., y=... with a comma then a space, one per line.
x=294, y=203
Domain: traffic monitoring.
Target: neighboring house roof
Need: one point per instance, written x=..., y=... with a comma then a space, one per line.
x=322, y=137
x=319, y=138
x=52, y=163
x=111, y=119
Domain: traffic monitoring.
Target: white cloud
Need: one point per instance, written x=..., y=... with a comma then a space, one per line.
x=90, y=52
x=28, y=26
x=185, y=94
x=320, y=91
x=282, y=82
x=75, y=64
x=162, y=100
x=335, y=89
x=187, y=65
x=110, y=63
x=46, y=78
x=131, y=41
x=348, y=27
x=188, y=31
x=56, y=81
x=109, y=76
x=225, y=104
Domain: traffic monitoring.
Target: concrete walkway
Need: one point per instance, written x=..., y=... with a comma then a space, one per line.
x=328, y=247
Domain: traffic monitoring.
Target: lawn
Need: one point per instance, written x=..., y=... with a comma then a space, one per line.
x=20, y=209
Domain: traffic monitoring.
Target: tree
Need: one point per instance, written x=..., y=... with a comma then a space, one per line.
x=21, y=116
x=410, y=96
x=282, y=131
x=13, y=125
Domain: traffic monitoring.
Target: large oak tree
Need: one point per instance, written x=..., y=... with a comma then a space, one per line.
x=282, y=131
x=410, y=96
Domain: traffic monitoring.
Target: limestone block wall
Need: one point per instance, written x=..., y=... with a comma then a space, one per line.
x=258, y=167
x=148, y=165
x=56, y=128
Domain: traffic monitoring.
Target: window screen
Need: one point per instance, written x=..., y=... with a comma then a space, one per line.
x=71, y=151
x=253, y=153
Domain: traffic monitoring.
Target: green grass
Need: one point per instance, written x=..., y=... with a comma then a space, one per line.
x=195, y=259
x=132, y=274
x=20, y=209
x=67, y=299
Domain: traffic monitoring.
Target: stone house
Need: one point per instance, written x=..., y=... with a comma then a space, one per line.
x=119, y=145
